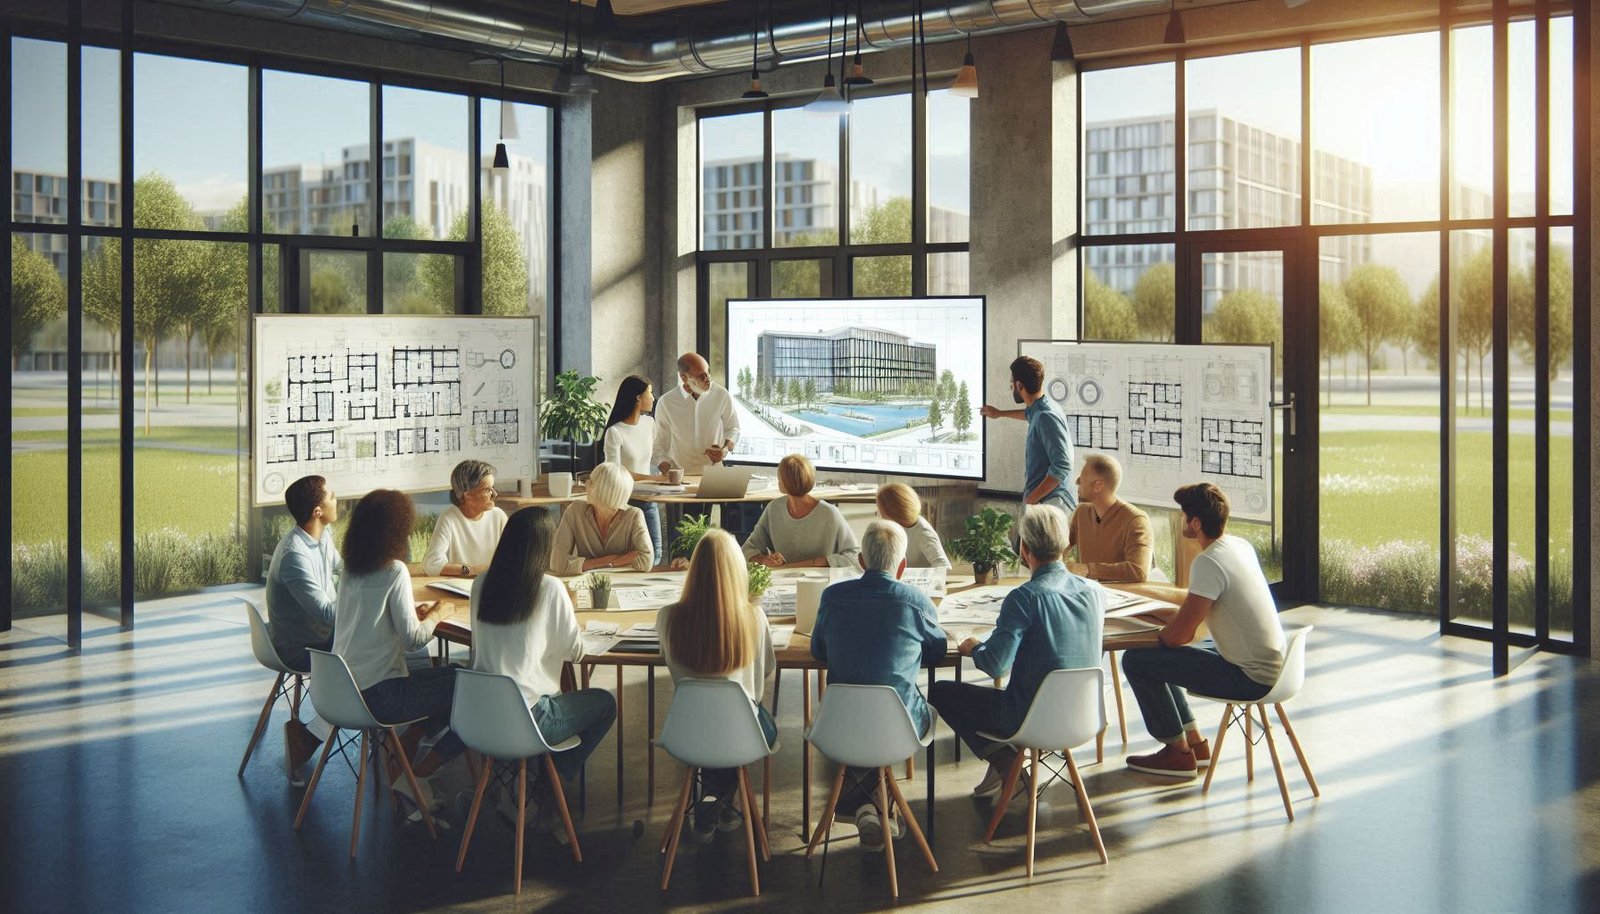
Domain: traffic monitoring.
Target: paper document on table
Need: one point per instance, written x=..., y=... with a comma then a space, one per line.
x=980, y=606
x=453, y=588
x=636, y=598
x=778, y=601
x=601, y=628
x=595, y=644
x=641, y=631
x=658, y=488
x=931, y=581
x=781, y=635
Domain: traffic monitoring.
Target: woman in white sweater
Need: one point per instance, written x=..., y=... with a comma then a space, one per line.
x=714, y=632
x=523, y=626
x=604, y=531
x=898, y=502
x=377, y=621
x=630, y=436
x=466, y=533
x=800, y=530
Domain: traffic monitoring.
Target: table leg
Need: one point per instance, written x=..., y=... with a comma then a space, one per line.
x=958, y=739
x=805, y=754
x=931, y=760
x=620, y=768
x=650, y=734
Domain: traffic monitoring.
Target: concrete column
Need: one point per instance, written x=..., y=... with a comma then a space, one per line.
x=573, y=330
x=1588, y=67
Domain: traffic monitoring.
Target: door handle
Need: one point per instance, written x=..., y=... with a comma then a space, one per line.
x=1287, y=404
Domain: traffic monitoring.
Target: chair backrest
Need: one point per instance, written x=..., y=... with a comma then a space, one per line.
x=866, y=726
x=1293, y=674
x=712, y=724
x=261, y=641
x=1067, y=711
x=334, y=692
x=491, y=716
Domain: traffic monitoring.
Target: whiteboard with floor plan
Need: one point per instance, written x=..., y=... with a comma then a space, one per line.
x=1171, y=415
x=391, y=402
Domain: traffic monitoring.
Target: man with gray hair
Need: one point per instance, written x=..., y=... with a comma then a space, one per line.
x=877, y=631
x=1052, y=622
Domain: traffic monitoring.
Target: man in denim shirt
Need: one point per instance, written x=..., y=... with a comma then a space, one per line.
x=300, y=594
x=1047, y=452
x=878, y=631
x=1052, y=622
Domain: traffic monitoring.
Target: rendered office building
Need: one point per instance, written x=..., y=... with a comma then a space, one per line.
x=846, y=359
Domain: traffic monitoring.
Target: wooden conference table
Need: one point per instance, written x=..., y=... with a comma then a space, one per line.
x=540, y=495
x=1121, y=632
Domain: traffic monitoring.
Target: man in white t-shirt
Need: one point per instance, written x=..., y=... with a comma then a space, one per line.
x=1227, y=592
x=695, y=421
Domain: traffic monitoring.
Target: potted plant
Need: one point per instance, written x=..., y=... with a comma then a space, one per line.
x=571, y=413
x=599, y=590
x=690, y=530
x=760, y=580
x=986, y=545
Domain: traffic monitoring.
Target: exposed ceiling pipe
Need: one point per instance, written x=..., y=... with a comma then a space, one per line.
x=704, y=39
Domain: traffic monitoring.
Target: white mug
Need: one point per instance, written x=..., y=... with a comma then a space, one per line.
x=561, y=485
x=522, y=486
x=675, y=476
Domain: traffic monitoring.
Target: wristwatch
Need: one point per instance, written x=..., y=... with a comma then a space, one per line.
x=465, y=569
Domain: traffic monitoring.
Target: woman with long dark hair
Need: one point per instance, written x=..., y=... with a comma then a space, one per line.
x=377, y=621
x=524, y=626
x=630, y=441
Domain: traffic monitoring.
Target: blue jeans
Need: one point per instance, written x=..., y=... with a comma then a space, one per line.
x=1159, y=676
x=652, y=522
x=861, y=785
x=968, y=708
x=722, y=782
x=586, y=714
x=426, y=693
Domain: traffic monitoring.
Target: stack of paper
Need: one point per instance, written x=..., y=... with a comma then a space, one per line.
x=453, y=587
x=931, y=581
x=778, y=601
x=980, y=606
x=659, y=488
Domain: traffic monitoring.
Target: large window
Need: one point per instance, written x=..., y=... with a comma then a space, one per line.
x=842, y=188
x=162, y=450
x=1415, y=511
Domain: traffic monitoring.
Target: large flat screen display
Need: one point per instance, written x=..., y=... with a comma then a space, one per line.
x=870, y=385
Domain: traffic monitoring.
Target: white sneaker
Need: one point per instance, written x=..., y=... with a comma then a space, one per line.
x=993, y=780
x=870, y=827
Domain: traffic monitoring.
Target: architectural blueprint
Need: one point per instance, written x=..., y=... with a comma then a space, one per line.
x=1170, y=414
x=395, y=402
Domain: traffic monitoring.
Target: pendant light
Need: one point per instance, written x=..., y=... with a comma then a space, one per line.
x=1174, y=33
x=966, y=84
x=1061, y=46
x=829, y=103
x=755, y=91
x=502, y=161
x=573, y=78
x=857, y=77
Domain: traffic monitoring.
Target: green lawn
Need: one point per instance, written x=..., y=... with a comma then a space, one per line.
x=221, y=436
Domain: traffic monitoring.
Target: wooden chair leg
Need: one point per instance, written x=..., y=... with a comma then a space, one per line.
x=749, y=837
x=826, y=822
x=1277, y=763
x=766, y=792
x=1005, y=796
x=316, y=775
x=683, y=798
x=911, y=823
x=1249, y=745
x=1099, y=746
x=1085, y=808
x=1033, y=806
x=261, y=723
x=416, y=789
x=522, y=821
x=1299, y=753
x=486, y=769
x=675, y=830
x=296, y=696
x=1116, y=689
x=756, y=819
x=361, y=793
x=1216, y=749
x=885, y=775
x=561, y=805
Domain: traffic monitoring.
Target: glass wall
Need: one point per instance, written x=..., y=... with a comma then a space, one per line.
x=1129, y=170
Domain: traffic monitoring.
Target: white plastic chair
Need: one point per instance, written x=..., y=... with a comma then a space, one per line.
x=1290, y=679
x=712, y=724
x=267, y=655
x=1067, y=711
x=868, y=726
x=339, y=702
x=491, y=717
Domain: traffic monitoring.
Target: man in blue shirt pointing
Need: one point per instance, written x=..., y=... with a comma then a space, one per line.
x=1052, y=622
x=1047, y=453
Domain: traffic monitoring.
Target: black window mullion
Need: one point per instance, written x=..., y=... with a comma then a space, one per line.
x=470, y=268
x=1582, y=255
x=1187, y=301
x=919, y=193
x=1447, y=347
x=5, y=326
x=74, y=325
x=769, y=192
x=1541, y=320
x=1501, y=344
x=843, y=271
x=375, y=195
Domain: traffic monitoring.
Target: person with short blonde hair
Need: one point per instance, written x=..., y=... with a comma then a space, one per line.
x=466, y=533
x=800, y=530
x=1112, y=537
x=714, y=632
x=604, y=531
x=898, y=502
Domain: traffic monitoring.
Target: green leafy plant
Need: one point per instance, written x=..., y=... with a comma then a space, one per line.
x=571, y=412
x=987, y=543
x=600, y=589
x=760, y=580
x=687, y=536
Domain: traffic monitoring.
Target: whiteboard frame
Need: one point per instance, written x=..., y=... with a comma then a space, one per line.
x=1271, y=419
x=255, y=406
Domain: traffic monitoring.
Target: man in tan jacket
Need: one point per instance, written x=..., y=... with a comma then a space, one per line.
x=1112, y=537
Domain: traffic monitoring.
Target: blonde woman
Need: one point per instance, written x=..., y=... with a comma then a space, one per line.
x=713, y=632
x=604, y=531
x=899, y=503
x=800, y=530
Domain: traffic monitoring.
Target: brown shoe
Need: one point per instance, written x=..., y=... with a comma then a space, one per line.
x=1201, y=750
x=299, y=743
x=1170, y=762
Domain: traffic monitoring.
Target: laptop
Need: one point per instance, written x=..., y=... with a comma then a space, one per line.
x=724, y=483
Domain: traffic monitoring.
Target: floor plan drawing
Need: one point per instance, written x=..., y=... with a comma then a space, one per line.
x=391, y=401
x=1170, y=414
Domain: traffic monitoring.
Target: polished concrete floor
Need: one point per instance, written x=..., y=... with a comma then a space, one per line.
x=1443, y=789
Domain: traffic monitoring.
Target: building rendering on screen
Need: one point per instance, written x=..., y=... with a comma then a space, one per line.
x=845, y=360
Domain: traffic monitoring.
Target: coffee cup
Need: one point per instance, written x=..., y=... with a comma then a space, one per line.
x=522, y=487
x=675, y=476
x=561, y=485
